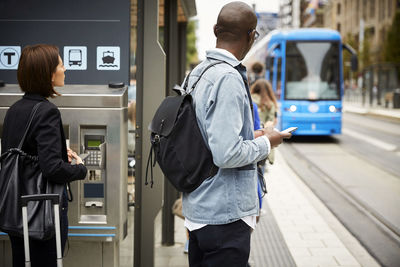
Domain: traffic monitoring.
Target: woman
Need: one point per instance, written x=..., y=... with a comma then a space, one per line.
x=263, y=95
x=40, y=69
x=256, y=73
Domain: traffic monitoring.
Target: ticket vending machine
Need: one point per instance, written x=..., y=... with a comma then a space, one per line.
x=95, y=123
x=92, y=193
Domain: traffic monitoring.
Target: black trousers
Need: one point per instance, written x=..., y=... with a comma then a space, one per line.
x=220, y=245
x=42, y=253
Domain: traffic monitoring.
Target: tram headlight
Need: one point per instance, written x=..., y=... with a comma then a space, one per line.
x=332, y=108
x=292, y=108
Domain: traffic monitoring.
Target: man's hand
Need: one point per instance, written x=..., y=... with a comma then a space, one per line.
x=275, y=137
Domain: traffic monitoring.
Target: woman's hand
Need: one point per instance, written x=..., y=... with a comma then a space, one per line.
x=72, y=155
x=260, y=132
x=269, y=124
x=79, y=160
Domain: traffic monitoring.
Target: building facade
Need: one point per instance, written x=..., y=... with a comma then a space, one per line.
x=365, y=24
x=361, y=20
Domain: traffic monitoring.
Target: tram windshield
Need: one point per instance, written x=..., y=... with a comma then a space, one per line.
x=312, y=71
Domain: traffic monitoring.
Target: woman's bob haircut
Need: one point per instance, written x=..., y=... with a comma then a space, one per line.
x=36, y=67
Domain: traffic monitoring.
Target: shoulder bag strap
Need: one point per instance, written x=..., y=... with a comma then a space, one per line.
x=33, y=112
x=246, y=85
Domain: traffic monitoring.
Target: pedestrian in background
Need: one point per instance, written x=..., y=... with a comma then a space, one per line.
x=221, y=212
x=40, y=69
x=257, y=72
x=263, y=95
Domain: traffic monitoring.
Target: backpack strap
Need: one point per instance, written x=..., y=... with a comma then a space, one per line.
x=198, y=79
x=33, y=112
x=211, y=65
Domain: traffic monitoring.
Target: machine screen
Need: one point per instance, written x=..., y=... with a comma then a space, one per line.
x=94, y=143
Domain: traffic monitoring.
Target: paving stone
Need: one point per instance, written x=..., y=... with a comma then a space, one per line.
x=346, y=260
x=318, y=236
x=305, y=224
x=310, y=239
x=293, y=243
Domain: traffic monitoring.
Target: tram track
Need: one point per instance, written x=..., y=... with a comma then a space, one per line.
x=380, y=237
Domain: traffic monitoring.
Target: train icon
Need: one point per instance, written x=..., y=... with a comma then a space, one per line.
x=75, y=57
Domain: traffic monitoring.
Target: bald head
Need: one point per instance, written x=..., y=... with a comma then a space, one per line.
x=234, y=22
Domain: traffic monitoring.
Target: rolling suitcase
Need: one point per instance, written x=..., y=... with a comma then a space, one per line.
x=55, y=200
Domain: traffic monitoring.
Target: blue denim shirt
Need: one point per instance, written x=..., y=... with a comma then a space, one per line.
x=225, y=120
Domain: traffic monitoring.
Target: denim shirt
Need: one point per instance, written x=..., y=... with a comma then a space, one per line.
x=225, y=120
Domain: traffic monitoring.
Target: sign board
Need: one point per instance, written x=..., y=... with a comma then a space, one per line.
x=108, y=58
x=79, y=28
x=9, y=57
x=75, y=57
x=267, y=21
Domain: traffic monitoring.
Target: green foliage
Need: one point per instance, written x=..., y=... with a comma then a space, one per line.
x=191, y=50
x=392, y=43
x=350, y=40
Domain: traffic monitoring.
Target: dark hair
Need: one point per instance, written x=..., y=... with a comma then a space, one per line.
x=257, y=67
x=264, y=89
x=36, y=67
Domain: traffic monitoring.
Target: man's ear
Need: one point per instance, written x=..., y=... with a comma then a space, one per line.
x=251, y=37
x=215, y=30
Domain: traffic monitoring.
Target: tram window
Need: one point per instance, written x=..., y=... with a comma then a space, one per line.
x=312, y=71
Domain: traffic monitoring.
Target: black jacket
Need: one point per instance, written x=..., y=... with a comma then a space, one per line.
x=45, y=138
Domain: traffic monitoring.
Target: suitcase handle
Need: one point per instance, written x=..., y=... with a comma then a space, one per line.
x=55, y=198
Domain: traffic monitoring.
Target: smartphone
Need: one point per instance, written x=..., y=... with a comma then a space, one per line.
x=290, y=130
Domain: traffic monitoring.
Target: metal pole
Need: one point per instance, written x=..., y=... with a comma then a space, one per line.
x=137, y=255
x=171, y=49
x=150, y=93
x=182, y=27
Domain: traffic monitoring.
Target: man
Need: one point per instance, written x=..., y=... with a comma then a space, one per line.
x=222, y=211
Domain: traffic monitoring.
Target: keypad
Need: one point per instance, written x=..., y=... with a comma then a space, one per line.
x=94, y=157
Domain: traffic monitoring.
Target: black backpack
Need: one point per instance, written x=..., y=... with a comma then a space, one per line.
x=177, y=143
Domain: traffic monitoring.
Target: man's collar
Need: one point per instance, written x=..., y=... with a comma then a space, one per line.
x=222, y=54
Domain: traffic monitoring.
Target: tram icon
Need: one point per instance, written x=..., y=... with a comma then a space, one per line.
x=75, y=57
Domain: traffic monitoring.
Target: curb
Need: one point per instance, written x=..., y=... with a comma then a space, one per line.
x=389, y=114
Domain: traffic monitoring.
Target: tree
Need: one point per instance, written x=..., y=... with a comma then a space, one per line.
x=191, y=50
x=350, y=40
x=392, y=43
x=365, y=53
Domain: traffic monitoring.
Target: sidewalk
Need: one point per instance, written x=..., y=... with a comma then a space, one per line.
x=375, y=110
x=313, y=236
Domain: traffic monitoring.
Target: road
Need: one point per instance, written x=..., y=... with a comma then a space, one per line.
x=357, y=175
